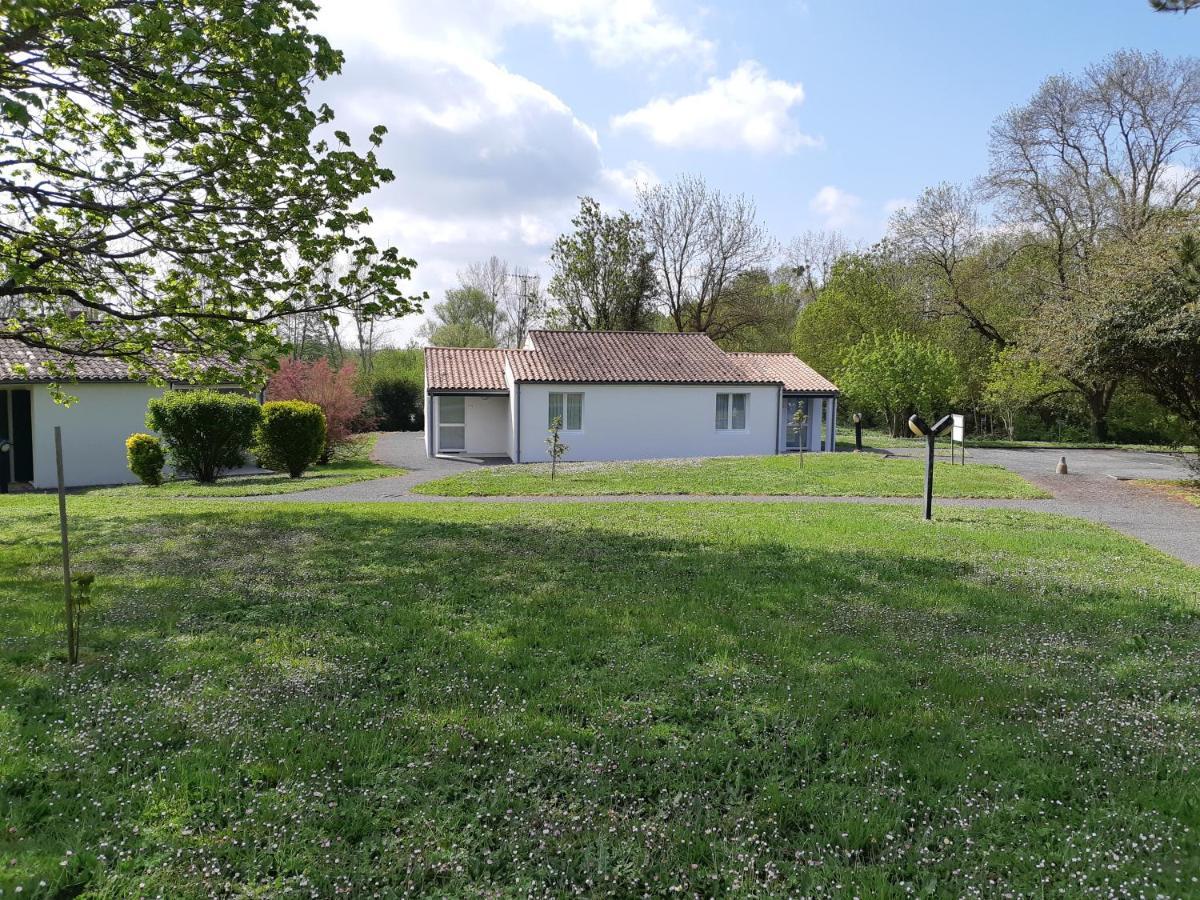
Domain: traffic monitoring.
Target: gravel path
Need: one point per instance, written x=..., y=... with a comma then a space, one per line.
x=1171, y=525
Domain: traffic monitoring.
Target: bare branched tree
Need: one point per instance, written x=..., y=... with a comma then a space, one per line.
x=701, y=240
x=808, y=260
x=491, y=277
x=1176, y=6
x=524, y=304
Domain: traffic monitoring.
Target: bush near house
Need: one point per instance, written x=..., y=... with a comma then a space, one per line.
x=204, y=432
x=290, y=437
x=329, y=388
x=146, y=458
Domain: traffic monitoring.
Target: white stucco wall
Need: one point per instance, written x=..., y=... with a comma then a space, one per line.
x=650, y=421
x=487, y=425
x=94, y=429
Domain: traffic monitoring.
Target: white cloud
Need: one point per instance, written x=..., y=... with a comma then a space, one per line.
x=623, y=183
x=747, y=110
x=893, y=206
x=618, y=31
x=836, y=207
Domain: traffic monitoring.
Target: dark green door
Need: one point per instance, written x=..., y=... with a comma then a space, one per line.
x=16, y=424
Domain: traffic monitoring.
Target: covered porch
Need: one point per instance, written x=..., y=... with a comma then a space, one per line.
x=818, y=433
x=469, y=424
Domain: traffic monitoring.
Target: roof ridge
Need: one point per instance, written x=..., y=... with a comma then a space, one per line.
x=619, y=331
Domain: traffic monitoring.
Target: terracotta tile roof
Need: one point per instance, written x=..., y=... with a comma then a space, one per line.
x=786, y=368
x=627, y=357
x=615, y=357
x=465, y=369
x=13, y=354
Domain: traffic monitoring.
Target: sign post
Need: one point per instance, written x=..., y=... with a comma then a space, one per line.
x=930, y=432
x=958, y=435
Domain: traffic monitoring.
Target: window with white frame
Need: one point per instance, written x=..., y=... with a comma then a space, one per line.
x=731, y=411
x=567, y=407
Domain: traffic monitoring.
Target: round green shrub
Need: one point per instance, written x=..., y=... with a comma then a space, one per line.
x=290, y=437
x=204, y=432
x=146, y=458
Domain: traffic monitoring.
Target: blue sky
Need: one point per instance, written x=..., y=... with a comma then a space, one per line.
x=828, y=113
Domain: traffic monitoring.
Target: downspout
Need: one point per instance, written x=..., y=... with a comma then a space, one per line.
x=779, y=424
x=517, y=416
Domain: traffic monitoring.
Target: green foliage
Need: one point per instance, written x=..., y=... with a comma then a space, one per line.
x=756, y=314
x=468, y=317
x=603, y=279
x=1014, y=383
x=175, y=184
x=554, y=445
x=396, y=404
x=863, y=296
x=205, y=433
x=290, y=436
x=146, y=459
x=896, y=374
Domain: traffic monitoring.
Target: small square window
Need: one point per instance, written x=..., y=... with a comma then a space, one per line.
x=568, y=408
x=731, y=411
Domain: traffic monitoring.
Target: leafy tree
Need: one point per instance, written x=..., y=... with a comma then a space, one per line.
x=205, y=432
x=603, y=280
x=554, y=445
x=1155, y=336
x=333, y=390
x=163, y=191
x=865, y=295
x=468, y=317
x=1091, y=159
x=758, y=313
x=895, y=375
x=1014, y=384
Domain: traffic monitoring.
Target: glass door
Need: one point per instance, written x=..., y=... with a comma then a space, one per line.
x=452, y=424
x=795, y=435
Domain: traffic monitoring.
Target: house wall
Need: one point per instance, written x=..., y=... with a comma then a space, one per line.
x=487, y=425
x=94, y=429
x=650, y=421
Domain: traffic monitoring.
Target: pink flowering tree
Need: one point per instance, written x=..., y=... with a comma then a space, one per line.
x=329, y=388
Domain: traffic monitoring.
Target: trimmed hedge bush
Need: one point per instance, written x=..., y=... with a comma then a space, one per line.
x=205, y=432
x=146, y=459
x=290, y=437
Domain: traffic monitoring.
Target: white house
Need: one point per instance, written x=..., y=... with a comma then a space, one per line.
x=110, y=406
x=623, y=395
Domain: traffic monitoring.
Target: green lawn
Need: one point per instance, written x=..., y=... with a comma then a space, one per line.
x=353, y=465
x=510, y=699
x=821, y=475
x=882, y=440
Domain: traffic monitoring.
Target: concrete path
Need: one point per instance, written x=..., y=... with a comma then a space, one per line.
x=1171, y=525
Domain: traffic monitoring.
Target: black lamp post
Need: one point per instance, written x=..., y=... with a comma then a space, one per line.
x=857, y=432
x=5, y=449
x=918, y=427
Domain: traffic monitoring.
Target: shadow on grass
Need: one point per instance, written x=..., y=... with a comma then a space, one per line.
x=459, y=698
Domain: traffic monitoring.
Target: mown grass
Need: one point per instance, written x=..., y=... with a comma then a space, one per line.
x=637, y=699
x=881, y=439
x=1188, y=491
x=820, y=475
x=352, y=465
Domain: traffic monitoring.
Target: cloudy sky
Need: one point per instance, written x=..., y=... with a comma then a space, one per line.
x=500, y=113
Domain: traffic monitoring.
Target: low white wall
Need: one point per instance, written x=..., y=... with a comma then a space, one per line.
x=94, y=429
x=487, y=425
x=651, y=421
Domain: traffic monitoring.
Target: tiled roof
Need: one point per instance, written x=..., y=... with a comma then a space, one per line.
x=13, y=354
x=627, y=357
x=786, y=368
x=615, y=357
x=465, y=369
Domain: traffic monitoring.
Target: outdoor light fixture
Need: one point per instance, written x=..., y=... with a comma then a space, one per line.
x=918, y=427
x=857, y=417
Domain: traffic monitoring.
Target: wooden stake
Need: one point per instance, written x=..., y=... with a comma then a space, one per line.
x=72, y=637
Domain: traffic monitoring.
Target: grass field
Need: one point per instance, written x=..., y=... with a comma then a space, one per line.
x=353, y=465
x=544, y=700
x=820, y=475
